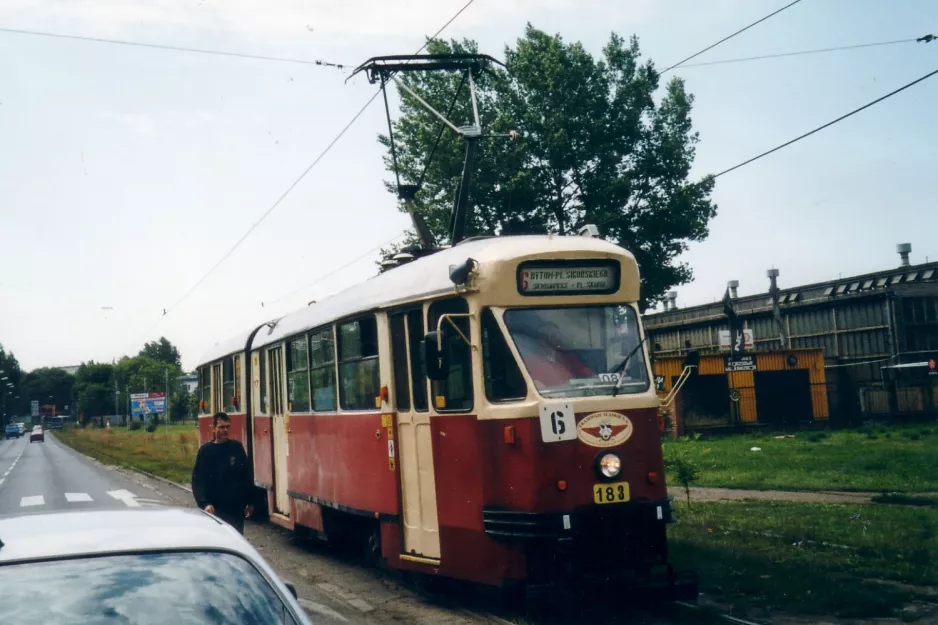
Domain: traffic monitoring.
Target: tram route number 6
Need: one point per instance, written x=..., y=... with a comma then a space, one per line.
x=557, y=422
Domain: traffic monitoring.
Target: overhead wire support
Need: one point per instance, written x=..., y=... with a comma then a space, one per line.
x=728, y=37
x=830, y=123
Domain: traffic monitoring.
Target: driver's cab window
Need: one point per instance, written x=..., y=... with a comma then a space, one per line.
x=454, y=394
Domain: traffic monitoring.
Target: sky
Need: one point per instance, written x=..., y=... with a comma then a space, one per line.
x=127, y=173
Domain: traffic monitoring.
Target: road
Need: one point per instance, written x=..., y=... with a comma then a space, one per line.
x=333, y=587
x=38, y=478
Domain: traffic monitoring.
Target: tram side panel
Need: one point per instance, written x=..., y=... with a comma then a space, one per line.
x=341, y=461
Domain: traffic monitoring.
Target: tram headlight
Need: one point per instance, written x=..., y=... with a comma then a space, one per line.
x=609, y=465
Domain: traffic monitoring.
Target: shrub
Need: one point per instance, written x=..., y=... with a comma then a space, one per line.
x=134, y=425
x=684, y=471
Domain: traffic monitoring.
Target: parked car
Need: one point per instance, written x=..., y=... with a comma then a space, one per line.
x=11, y=431
x=36, y=435
x=156, y=565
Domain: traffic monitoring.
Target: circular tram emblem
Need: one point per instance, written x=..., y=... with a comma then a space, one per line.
x=604, y=429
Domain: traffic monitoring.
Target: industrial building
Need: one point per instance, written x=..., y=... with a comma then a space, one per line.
x=848, y=349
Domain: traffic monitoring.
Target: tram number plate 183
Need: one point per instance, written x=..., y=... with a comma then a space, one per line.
x=615, y=492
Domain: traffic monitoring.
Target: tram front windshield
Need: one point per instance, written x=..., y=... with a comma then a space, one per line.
x=581, y=351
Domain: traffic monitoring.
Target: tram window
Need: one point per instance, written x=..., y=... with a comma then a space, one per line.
x=399, y=358
x=228, y=385
x=503, y=379
x=217, y=394
x=358, y=364
x=322, y=370
x=263, y=381
x=580, y=351
x=238, y=406
x=205, y=405
x=418, y=378
x=297, y=376
x=454, y=394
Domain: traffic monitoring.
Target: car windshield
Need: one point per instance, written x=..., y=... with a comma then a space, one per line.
x=582, y=351
x=178, y=587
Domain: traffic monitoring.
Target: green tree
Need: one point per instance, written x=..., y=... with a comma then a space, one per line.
x=49, y=385
x=162, y=351
x=12, y=401
x=93, y=391
x=144, y=374
x=594, y=147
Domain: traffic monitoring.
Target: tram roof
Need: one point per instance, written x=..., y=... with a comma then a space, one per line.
x=233, y=345
x=422, y=278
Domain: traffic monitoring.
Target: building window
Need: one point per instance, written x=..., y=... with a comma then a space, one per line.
x=418, y=375
x=358, y=364
x=228, y=384
x=454, y=394
x=399, y=359
x=322, y=370
x=503, y=379
x=297, y=376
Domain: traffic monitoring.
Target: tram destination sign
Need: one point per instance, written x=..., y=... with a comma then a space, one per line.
x=586, y=277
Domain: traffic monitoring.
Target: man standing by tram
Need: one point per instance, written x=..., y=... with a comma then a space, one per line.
x=221, y=477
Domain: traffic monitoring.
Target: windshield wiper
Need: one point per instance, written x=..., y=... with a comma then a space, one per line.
x=622, y=365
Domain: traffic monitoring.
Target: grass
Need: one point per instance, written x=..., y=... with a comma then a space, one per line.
x=799, y=558
x=899, y=458
x=169, y=452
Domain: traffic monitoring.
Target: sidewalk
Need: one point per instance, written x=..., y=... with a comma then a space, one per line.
x=700, y=493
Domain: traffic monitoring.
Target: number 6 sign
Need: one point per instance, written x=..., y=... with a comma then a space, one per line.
x=557, y=422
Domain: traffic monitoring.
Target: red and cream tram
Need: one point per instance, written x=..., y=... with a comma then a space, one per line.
x=482, y=413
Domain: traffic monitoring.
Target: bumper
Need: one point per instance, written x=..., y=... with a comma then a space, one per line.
x=37, y=438
x=618, y=546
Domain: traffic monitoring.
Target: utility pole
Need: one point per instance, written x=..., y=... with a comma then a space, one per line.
x=166, y=401
x=116, y=398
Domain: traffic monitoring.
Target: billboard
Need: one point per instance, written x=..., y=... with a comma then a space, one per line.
x=142, y=404
x=34, y=408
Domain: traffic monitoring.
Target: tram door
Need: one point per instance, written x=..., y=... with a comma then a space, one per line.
x=415, y=451
x=278, y=430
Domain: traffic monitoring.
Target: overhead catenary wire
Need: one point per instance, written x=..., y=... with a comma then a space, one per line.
x=334, y=271
x=296, y=182
x=828, y=124
x=159, y=46
x=802, y=52
x=728, y=37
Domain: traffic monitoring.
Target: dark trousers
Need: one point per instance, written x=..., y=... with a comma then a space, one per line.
x=234, y=518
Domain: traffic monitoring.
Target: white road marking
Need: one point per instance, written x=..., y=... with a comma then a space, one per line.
x=36, y=500
x=7, y=473
x=2, y=480
x=129, y=499
x=318, y=608
x=77, y=497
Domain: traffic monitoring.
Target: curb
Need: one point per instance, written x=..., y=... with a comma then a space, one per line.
x=157, y=478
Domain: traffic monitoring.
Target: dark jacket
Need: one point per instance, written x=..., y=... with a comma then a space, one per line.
x=222, y=477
